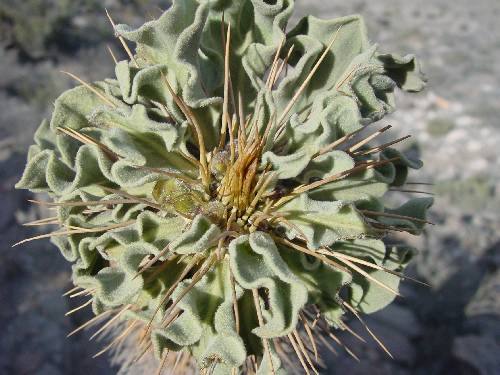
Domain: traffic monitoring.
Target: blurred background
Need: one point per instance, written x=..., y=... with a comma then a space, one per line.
x=453, y=327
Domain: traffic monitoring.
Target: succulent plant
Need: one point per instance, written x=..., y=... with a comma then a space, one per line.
x=220, y=197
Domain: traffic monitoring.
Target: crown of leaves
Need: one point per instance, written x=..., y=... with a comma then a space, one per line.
x=220, y=193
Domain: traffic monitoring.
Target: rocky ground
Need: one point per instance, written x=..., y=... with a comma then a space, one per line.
x=450, y=328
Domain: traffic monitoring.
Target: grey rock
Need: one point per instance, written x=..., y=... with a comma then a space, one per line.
x=479, y=351
x=49, y=369
x=9, y=204
x=400, y=319
x=487, y=299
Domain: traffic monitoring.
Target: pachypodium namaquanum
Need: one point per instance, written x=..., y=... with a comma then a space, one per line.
x=223, y=197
